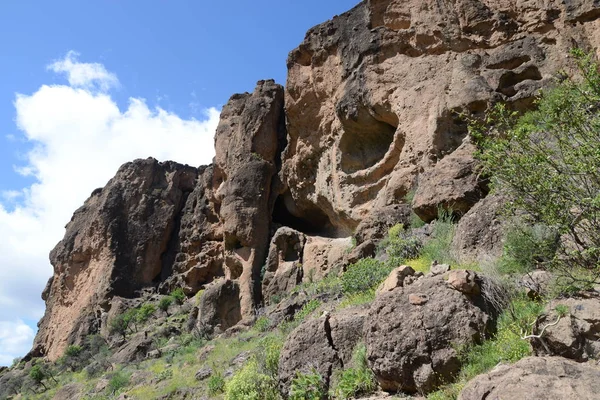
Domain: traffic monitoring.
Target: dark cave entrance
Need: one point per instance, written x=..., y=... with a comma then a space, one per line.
x=314, y=222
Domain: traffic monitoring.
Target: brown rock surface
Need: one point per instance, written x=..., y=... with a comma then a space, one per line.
x=324, y=343
x=576, y=335
x=412, y=334
x=248, y=144
x=283, y=269
x=113, y=246
x=478, y=235
x=164, y=225
x=536, y=378
x=373, y=98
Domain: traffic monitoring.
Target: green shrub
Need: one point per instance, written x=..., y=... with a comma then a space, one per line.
x=164, y=375
x=73, y=351
x=506, y=346
x=308, y=386
x=262, y=324
x=438, y=247
x=527, y=247
x=267, y=356
x=38, y=374
x=120, y=323
x=307, y=309
x=364, y=275
x=178, y=295
x=356, y=380
x=401, y=245
x=145, y=312
x=117, y=381
x=216, y=384
x=164, y=303
x=547, y=161
x=249, y=383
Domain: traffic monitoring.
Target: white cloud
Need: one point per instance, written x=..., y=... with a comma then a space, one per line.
x=85, y=75
x=15, y=340
x=79, y=137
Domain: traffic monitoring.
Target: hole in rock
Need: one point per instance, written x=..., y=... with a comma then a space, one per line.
x=312, y=222
x=365, y=141
x=508, y=80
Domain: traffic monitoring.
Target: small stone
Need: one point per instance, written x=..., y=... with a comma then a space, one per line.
x=396, y=278
x=203, y=373
x=154, y=354
x=417, y=299
x=439, y=269
x=464, y=281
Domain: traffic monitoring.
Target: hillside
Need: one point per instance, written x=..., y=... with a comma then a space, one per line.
x=343, y=240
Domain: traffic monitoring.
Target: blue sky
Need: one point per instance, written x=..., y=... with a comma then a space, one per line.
x=87, y=85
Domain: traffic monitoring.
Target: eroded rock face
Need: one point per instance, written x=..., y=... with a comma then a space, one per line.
x=283, y=270
x=324, y=343
x=164, y=225
x=373, y=98
x=113, y=246
x=412, y=334
x=536, y=378
x=248, y=143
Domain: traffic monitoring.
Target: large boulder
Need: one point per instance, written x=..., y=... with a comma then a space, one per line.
x=324, y=343
x=479, y=233
x=413, y=333
x=536, y=378
x=283, y=269
x=576, y=335
x=220, y=307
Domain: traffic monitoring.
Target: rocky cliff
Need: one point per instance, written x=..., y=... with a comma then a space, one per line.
x=369, y=121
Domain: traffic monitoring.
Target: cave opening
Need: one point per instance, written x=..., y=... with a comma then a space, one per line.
x=312, y=222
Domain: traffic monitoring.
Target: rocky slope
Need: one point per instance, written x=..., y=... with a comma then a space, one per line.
x=368, y=121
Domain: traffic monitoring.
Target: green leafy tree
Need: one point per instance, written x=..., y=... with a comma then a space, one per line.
x=38, y=375
x=547, y=162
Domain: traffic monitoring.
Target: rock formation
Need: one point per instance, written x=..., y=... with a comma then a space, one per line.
x=413, y=333
x=369, y=121
x=166, y=225
x=536, y=378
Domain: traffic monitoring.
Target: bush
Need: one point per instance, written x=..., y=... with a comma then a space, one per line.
x=262, y=324
x=401, y=245
x=547, y=161
x=121, y=322
x=117, y=381
x=38, y=375
x=145, y=312
x=249, y=383
x=357, y=380
x=73, y=351
x=364, y=275
x=164, y=303
x=306, y=310
x=507, y=346
x=178, y=295
x=438, y=247
x=527, y=247
x=307, y=386
x=216, y=384
x=268, y=354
